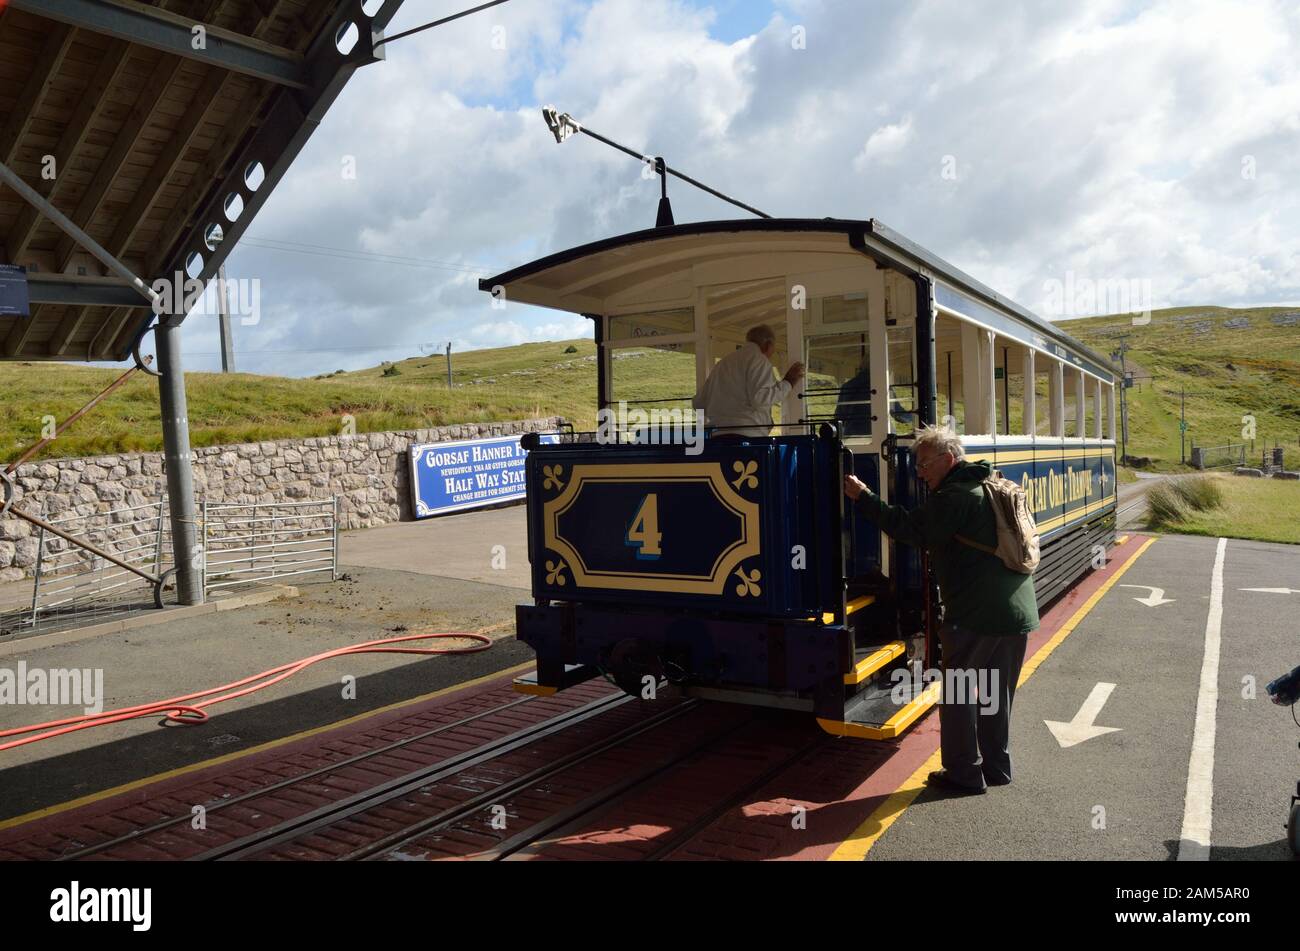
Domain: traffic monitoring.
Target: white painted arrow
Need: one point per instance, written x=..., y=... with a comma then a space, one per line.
x=1082, y=726
x=1154, y=599
x=1273, y=590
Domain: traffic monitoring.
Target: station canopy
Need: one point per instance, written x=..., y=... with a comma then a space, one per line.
x=160, y=130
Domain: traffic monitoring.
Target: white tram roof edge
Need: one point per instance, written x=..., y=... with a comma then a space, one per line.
x=586, y=279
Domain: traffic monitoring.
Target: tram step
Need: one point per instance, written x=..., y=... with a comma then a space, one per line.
x=869, y=660
x=573, y=674
x=874, y=714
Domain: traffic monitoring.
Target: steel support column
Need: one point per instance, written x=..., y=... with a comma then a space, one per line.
x=180, y=476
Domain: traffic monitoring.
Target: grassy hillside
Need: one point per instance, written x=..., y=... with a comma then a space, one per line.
x=1226, y=372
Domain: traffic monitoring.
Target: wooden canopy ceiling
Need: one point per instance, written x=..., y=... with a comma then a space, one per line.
x=160, y=129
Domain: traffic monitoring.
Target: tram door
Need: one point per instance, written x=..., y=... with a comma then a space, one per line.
x=840, y=332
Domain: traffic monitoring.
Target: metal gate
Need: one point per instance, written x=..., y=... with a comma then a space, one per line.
x=254, y=542
x=71, y=580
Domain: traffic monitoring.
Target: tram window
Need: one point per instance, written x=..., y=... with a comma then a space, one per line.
x=662, y=376
x=844, y=308
x=839, y=380
x=1042, y=397
x=1010, y=389
x=948, y=372
x=902, y=380
x=658, y=323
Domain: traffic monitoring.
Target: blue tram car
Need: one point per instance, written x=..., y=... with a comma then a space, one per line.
x=734, y=567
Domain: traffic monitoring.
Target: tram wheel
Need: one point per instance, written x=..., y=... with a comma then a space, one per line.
x=1293, y=829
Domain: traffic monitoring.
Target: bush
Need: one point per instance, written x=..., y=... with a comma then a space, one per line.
x=1200, y=492
x=570, y=349
x=391, y=370
x=1172, y=501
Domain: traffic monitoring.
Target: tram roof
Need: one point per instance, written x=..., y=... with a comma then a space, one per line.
x=147, y=139
x=610, y=263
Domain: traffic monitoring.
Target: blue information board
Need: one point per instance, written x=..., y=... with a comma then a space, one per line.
x=452, y=476
x=14, y=300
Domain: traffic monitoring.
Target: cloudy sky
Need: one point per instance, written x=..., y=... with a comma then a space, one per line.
x=1027, y=142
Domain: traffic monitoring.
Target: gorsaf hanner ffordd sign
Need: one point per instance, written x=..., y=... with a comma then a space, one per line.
x=452, y=476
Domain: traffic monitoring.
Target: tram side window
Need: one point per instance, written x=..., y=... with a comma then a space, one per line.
x=902, y=380
x=948, y=372
x=1042, y=396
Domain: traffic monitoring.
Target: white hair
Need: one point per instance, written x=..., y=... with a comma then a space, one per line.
x=762, y=335
x=940, y=439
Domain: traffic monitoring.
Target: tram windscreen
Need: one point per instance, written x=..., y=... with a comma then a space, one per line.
x=660, y=376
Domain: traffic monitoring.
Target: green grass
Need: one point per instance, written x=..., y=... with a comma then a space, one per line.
x=1266, y=510
x=543, y=379
x=1224, y=373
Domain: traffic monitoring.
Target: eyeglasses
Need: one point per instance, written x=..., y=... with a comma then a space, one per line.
x=922, y=466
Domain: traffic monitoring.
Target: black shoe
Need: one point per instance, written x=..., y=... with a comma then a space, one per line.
x=940, y=779
x=996, y=780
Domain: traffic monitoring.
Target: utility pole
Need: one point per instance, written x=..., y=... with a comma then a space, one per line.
x=449, y=364
x=223, y=309
x=1182, y=425
x=1123, y=399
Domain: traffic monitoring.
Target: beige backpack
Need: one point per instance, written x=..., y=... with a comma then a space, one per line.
x=1017, y=533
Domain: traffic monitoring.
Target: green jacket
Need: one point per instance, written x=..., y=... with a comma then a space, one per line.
x=978, y=591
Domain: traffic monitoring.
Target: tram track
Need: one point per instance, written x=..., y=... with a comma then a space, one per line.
x=408, y=783
x=449, y=817
x=262, y=791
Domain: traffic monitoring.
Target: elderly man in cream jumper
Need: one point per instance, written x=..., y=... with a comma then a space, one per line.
x=738, y=395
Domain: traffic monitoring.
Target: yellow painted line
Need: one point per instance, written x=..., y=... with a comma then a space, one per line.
x=269, y=745
x=873, y=662
x=856, y=846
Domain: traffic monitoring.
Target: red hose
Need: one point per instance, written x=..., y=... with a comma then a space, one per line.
x=181, y=710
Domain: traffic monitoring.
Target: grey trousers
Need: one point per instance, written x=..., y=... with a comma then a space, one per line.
x=975, y=724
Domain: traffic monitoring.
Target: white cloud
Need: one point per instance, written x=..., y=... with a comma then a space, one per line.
x=1106, y=138
x=885, y=145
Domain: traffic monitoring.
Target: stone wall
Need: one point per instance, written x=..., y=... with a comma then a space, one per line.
x=369, y=472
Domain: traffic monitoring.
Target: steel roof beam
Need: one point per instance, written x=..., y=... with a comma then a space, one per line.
x=291, y=120
x=83, y=291
x=175, y=34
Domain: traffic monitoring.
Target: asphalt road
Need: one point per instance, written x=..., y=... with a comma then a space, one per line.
x=1125, y=794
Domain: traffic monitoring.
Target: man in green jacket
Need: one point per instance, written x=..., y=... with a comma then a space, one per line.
x=989, y=609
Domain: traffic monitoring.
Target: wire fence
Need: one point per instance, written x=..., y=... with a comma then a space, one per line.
x=1218, y=457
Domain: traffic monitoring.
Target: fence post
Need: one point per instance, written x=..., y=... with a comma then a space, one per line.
x=203, y=543
x=334, y=519
x=36, y=583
